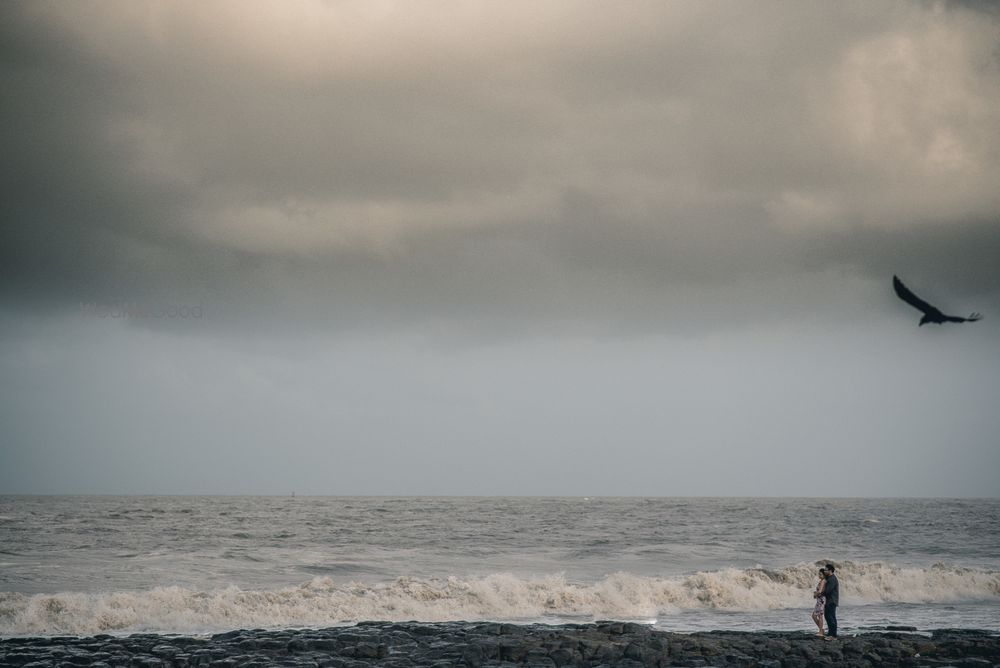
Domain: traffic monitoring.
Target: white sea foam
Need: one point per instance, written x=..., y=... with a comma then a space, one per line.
x=324, y=602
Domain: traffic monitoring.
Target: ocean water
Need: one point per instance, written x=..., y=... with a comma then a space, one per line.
x=177, y=564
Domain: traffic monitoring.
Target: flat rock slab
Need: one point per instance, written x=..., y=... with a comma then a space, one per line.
x=493, y=644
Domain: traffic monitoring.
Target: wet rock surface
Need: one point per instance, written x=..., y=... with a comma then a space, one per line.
x=494, y=644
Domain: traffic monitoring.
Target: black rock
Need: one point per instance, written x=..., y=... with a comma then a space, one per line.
x=415, y=645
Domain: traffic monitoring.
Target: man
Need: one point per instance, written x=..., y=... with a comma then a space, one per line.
x=831, y=590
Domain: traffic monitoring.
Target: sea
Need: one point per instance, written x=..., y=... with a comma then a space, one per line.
x=197, y=565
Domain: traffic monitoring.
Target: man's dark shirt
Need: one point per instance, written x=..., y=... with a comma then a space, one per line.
x=832, y=590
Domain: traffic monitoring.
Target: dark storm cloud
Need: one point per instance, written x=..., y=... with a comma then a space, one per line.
x=351, y=165
x=725, y=187
x=960, y=257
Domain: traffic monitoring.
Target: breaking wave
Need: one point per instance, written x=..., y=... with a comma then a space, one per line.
x=326, y=602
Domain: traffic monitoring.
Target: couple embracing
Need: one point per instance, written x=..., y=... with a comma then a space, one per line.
x=827, y=596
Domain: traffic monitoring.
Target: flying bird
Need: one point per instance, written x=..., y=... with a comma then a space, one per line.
x=931, y=314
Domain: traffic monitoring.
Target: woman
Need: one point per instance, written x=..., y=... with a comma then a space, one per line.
x=817, y=613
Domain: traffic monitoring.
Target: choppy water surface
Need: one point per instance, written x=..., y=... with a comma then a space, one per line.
x=194, y=564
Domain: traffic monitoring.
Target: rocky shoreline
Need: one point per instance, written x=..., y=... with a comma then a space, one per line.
x=493, y=644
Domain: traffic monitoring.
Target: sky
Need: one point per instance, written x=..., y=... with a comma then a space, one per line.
x=499, y=248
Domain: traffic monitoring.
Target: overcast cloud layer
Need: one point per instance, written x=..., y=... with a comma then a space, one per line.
x=464, y=187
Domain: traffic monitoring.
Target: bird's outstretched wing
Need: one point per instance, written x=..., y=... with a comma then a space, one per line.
x=972, y=318
x=907, y=296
